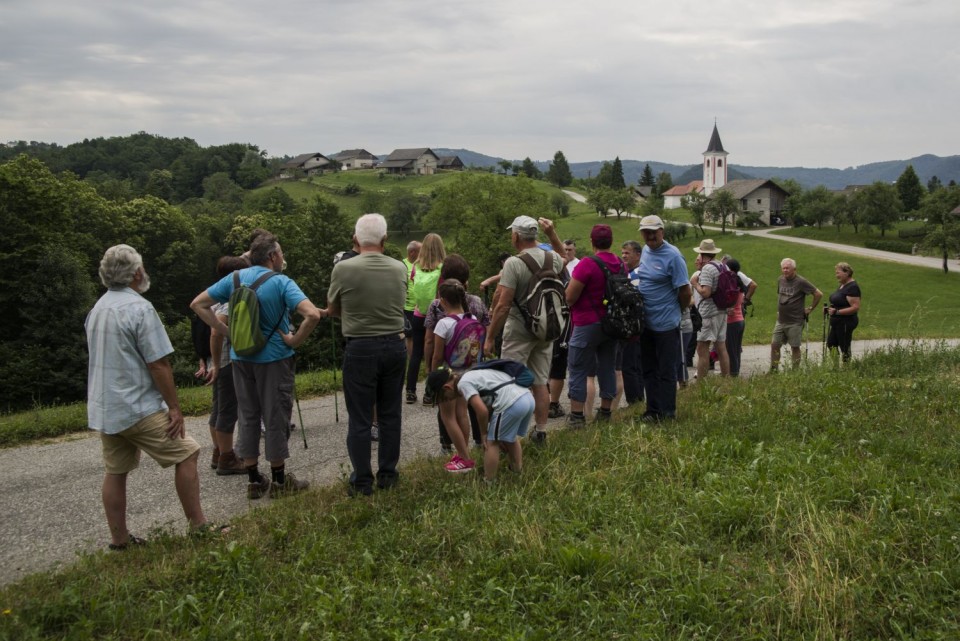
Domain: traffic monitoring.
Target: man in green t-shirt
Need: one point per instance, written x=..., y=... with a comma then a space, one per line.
x=367, y=292
x=792, y=291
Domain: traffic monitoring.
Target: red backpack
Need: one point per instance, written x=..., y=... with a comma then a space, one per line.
x=727, y=291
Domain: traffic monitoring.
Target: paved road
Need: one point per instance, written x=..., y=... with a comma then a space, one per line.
x=51, y=500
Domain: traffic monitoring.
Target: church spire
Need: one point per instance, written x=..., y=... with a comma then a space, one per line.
x=715, y=144
x=714, y=164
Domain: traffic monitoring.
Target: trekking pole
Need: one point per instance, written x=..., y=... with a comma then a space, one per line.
x=333, y=347
x=823, y=348
x=806, y=330
x=303, y=430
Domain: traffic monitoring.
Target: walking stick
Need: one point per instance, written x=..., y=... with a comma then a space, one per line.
x=806, y=330
x=823, y=349
x=303, y=430
x=333, y=347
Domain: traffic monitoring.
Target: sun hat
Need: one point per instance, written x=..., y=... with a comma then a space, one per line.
x=524, y=224
x=707, y=246
x=651, y=222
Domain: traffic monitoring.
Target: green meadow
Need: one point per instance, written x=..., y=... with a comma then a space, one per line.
x=814, y=504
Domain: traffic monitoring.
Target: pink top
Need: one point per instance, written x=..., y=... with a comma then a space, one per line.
x=589, y=308
x=735, y=313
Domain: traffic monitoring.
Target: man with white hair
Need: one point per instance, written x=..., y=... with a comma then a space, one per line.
x=792, y=290
x=131, y=397
x=368, y=294
x=264, y=380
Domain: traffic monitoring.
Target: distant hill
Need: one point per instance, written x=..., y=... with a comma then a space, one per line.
x=945, y=168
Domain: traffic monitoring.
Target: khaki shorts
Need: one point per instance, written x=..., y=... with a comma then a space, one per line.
x=713, y=329
x=121, y=452
x=533, y=353
x=792, y=335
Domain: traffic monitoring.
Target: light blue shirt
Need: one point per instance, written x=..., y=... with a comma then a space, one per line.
x=278, y=297
x=660, y=274
x=124, y=334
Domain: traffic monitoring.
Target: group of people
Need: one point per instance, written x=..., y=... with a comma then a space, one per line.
x=396, y=315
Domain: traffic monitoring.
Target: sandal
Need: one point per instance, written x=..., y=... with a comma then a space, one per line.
x=210, y=529
x=132, y=540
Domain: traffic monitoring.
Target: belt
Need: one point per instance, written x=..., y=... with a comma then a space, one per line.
x=381, y=337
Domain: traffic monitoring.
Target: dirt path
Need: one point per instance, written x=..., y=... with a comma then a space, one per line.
x=51, y=501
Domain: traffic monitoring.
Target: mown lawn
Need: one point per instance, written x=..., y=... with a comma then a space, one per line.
x=846, y=235
x=813, y=504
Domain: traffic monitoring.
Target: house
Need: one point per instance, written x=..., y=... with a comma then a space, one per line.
x=450, y=162
x=310, y=164
x=641, y=192
x=411, y=161
x=356, y=159
x=673, y=196
x=759, y=196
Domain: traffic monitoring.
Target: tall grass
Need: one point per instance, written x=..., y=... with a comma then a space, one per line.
x=815, y=504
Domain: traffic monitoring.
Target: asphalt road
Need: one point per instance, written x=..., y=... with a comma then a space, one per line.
x=51, y=500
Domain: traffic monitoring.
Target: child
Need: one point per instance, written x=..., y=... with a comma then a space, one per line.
x=458, y=339
x=503, y=408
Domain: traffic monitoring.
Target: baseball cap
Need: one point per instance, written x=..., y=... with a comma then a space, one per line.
x=651, y=222
x=526, y=224
x=600, y=233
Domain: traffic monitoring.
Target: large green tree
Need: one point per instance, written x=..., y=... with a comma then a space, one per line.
x=882, y=205
x=723, y=206
x=559, y=172
x=910, y=189
x=529, y=168
x=696, y=202
x=942, y=225
x=646, y=178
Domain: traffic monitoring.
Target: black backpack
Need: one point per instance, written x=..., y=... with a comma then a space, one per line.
x=624, y=304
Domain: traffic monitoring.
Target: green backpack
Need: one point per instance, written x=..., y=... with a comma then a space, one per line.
x=246, y=337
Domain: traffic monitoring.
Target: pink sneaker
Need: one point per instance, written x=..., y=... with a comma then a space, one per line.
x=459, y=465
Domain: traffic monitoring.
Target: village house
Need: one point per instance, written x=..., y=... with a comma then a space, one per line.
x=673, y=197
x=356, y=159
x=450, y=162
x=310, y=164
x=760, y=196
x=411, y=161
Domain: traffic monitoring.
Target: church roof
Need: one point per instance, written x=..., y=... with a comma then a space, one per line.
x=715, y=145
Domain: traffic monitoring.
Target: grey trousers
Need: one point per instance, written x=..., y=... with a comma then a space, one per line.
x=264, y=392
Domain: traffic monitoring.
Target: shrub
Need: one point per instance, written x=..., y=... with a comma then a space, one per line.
x=889, y=245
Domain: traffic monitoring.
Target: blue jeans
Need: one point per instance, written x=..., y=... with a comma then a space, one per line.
x=589, y=344
x=373, y=369
x=659, y=354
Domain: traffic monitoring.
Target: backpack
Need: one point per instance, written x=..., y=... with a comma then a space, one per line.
x=465, y=347
x=727, y=291
x=521, y=374
x=543, y=305
x=246, y=337
x=424, y=288
x=624, y=317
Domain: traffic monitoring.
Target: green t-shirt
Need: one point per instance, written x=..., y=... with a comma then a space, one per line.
x=408, y=305
x=370, y=290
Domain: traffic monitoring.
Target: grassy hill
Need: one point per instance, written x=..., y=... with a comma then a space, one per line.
x=816, y=504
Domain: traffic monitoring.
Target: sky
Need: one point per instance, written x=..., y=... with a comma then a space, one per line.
x=819, y=83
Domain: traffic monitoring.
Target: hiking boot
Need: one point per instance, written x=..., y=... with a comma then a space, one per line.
x=651, y=417
x=459, y=465
x=576, y=421
x=230, y=464
x=427, y=398
x=374, y=431
x=555, y=411
x=411, y=398
x=538, y=436
x=290, y=485
x=215, y=458
x=602, y=416
x=257, y=490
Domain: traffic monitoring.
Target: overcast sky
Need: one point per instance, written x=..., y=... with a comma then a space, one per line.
x=829, y=83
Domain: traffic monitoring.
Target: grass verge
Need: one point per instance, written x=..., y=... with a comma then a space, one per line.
x=815, y=504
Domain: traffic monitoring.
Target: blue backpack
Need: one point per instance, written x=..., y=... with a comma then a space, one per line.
x=521, y=374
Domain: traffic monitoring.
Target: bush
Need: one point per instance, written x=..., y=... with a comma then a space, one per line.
x=889, y=246
x=674, y=232
x=351, y=189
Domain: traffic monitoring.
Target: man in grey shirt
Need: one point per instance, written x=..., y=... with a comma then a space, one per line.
x=714, y=328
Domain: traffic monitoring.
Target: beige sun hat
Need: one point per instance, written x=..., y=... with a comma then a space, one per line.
x=707, y=246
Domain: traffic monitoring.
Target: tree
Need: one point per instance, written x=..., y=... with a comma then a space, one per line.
x=882, y=205
x=818, y=206
x=621, y=200
x=910, y=189
x=252, y=170
x=856, y=211
x=220, y=188
x=664, y=183
x=505, y=166
x=616, y=177
x=160, y=184
x=934, y=184
x=600, y=199
x=942, y=226
x=652, y=206
x=560, y=203
x=646, y=178
x=696, y=202
x=530, y=169
x=559, y=172
x=404, y=210
x=723, y=205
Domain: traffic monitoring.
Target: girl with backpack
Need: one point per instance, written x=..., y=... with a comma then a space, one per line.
x=458, y=341
x=423, y=280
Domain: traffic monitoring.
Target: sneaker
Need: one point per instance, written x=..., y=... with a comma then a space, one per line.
x=555, y=411
x=459, y=465
x=650, y=417
x=290, y=485
x=374, y=432
x=215, y=458
x=230, y=464
x=538, y=436
x=427, y=398
x=257, y=490
x=575, y=422
x=411, y=397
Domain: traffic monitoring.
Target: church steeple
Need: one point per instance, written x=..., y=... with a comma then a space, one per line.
x=714, y=164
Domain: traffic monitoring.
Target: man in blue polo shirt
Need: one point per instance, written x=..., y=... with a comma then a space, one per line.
x=264, y=381
x=663, y=282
